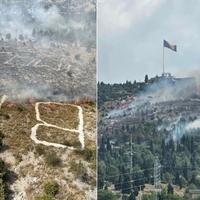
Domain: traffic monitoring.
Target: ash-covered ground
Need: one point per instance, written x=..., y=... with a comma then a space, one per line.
x=47, y=49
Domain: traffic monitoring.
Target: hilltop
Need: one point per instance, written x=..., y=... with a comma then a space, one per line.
x=157, y=118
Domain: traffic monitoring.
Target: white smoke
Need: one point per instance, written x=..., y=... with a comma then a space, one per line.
x=19, y=18
x=193, y=125
x=47, y=26
x=162, y=90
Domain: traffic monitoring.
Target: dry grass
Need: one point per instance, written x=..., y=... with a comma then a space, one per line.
x=17, y=128
x=73, y=193
x=59, y=136
x=64, y=116
x=16, y=122
x=89, y=115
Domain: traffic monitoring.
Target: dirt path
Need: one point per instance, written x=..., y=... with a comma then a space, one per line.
x=80, y=127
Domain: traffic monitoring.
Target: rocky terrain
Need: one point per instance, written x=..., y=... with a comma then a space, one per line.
x=34, y=164
x=47, y=49
x=47, y=99
x=58, y=73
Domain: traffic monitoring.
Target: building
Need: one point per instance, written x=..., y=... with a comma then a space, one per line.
x=194, y=194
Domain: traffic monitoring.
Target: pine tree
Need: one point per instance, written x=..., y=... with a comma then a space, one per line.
x=146, y=79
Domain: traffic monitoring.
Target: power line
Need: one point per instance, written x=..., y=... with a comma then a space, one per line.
x=156, y=175
x=193, y=168
x=134, y=180
x=140, y=170
x=124, y=189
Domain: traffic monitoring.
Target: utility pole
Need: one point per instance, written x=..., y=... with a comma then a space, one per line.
x=130, y=152
x=157, y=179
x=131, y=156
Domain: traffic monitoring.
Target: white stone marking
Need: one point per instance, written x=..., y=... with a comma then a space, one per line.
x=80, y=127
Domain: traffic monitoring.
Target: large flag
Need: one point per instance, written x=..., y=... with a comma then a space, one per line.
x=170, y=46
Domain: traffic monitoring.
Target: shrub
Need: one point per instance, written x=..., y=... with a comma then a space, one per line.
x=67, y=143
x=76, y=144
x=2, y=190
x=88, y=154
x=40, y=150
x=106, y=194
x=1, y=138
x=79, y=170
x=51, y=188
x=20, y=108
x=53, y=160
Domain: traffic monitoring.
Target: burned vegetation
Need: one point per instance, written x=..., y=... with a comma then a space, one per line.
x=47, y=55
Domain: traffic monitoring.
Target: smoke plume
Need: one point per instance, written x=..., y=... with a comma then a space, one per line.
x=39, y=40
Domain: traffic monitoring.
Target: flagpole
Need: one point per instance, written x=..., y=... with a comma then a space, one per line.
x=163, y=59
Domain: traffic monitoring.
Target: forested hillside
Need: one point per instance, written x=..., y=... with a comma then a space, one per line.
x=134, y=133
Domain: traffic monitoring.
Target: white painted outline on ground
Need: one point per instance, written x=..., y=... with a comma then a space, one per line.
x=80, y=127
x=6, y=52
x=9, y=60
x=3, y=99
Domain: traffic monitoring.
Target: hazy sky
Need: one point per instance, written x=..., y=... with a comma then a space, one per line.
x=131, y=33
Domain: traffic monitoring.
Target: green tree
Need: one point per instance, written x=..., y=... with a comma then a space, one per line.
x=101, y=174
x=132, y=196
x=170, y=189
x=106, y=195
